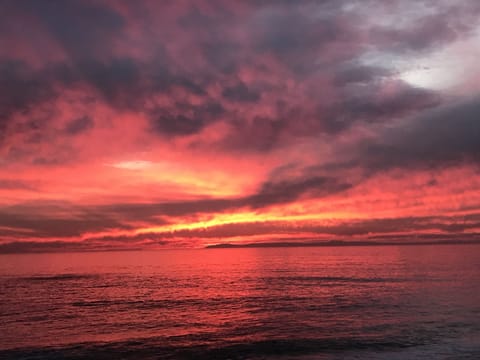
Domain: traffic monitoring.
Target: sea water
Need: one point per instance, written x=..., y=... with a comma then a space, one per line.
x=384, y=302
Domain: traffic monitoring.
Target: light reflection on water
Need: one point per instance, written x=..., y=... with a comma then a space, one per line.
x=344, y=302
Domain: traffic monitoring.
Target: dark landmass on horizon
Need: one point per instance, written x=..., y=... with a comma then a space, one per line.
x=335, y=243
x=62, y=247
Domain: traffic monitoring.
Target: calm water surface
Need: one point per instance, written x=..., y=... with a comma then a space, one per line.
x=406, y=302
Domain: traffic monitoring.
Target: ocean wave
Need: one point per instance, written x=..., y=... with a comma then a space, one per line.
x=59, y=277
x=154, y=349
x=338, y=279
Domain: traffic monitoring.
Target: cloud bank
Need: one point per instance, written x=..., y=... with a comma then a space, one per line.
x=150, y=124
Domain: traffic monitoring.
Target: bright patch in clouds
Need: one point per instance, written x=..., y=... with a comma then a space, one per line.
x=433, y=78
x=133, y=165
x=447, y=68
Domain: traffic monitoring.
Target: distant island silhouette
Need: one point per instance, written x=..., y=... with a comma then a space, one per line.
x=335, y=243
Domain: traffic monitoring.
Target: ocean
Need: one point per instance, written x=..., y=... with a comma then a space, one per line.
x=384, y=302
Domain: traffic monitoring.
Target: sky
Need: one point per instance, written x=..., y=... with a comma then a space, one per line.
x=158, y=124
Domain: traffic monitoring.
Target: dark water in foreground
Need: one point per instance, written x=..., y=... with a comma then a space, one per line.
x=408, y=302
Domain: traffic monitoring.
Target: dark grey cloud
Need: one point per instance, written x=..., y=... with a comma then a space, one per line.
x=79, y=125
x=127, y=83
x=83, y=28
x=184, y=118
x=357, y=73
x=21, y=89
x=117, y=81
x=428, y=32
x=241, y=93
x=439, y=138
x=442, y=137
x=373, y=103
x=40, y=224
x=224, y=56
x=278, y=192
x=214, y=37
x=296, y=35
x=447, y=24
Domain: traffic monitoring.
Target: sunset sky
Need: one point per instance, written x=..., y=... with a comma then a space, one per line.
x=159, y=124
